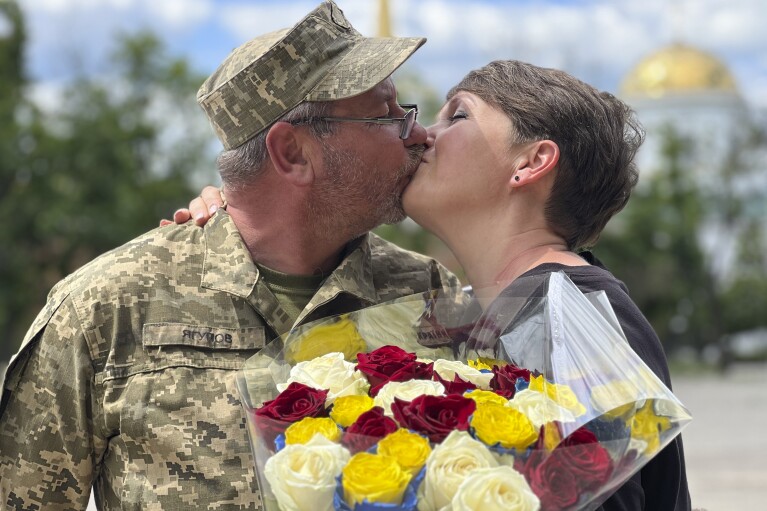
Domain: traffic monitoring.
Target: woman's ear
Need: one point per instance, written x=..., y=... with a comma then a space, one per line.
x=287, y=148
x=535, y=162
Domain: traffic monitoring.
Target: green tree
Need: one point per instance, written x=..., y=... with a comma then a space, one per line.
x=744, y=295
x=745, y=298
x=654, y=248
x=11, y=88
x=96, y=173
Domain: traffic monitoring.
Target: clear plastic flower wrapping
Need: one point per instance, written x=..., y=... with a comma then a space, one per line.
x=593, y=397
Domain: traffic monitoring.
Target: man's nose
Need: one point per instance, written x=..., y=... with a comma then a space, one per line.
x=417, y=136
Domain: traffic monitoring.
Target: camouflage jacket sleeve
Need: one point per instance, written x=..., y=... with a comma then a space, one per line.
x=49, y=418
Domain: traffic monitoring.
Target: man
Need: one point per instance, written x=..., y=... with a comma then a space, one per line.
x=125, y=382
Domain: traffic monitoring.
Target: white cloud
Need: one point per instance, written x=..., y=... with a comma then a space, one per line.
x=180, y=13
x=71, y=37
x=247, y=21
x=738, y=29
x=597, y=40
x=58, y=6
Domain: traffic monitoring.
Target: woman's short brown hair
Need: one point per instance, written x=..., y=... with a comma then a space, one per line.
x=598, y=136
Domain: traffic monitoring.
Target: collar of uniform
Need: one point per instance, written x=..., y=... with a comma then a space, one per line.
x=355, y=273
x=354, y=276
x=228, y=266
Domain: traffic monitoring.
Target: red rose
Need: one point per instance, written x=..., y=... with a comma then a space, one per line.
x=457, y=386
x=368, y=429
x=505, y=379
x=391, y=363
x=581, y=435
x=434, y=416
x=590, y=463
x=551, y=481
x=380, y=364
x=291, y=405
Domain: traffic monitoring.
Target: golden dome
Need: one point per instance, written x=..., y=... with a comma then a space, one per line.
x=678, y=69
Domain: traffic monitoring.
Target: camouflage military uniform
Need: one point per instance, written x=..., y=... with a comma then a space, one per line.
x=126, y=380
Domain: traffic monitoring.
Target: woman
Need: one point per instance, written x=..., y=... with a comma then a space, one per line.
x=522, y=170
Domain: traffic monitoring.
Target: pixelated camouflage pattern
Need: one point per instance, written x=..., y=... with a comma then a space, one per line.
x=322, y=58
x=126, y=380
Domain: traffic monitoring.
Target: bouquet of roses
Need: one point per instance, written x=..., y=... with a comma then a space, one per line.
x=372, y=410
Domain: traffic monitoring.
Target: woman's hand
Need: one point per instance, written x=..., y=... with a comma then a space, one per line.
x=200, y=208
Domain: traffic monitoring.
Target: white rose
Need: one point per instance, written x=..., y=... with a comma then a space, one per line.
x=447, y=369
x=539, y=408
x=329, y=372
x=303, y=476
x=407, y=391
x=448, y=465
x=494, y=488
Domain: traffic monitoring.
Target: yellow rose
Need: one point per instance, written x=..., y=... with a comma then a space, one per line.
x=646, y=426
x=486, y=363
x=374, y=478
x=347, y=409
x=335, y=336
x=551, y=436
x=409, y=449
x=494, y=424
x=646, y=380
x=485, y=396
x=562, y=394
x=614, y=398
x=304, y=430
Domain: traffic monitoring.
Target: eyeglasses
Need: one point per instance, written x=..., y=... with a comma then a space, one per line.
x=407, y=122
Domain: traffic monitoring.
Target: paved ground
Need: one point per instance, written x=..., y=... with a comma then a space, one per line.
x=726, y=443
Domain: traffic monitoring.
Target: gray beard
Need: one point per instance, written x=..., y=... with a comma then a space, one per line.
x=352, y=199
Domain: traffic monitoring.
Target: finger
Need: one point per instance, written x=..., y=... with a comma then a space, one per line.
x=181, y=216
x=213, y=198
x=165, y=222
x=199, y=211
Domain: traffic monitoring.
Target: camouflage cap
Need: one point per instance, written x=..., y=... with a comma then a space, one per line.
x=322, y=58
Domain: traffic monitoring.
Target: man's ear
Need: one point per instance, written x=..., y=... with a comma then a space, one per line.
x=287, y=148
x=535, y=162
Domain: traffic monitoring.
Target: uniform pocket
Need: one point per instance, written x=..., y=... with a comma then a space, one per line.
x=166, y=345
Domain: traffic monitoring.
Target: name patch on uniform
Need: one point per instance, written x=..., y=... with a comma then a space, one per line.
x=211, y=337
x=177, y=334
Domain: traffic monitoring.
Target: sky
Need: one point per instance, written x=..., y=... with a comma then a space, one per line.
x=599, y=41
